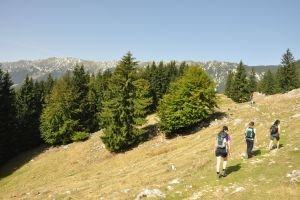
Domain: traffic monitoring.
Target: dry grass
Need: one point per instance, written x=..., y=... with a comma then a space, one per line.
x=87, y=171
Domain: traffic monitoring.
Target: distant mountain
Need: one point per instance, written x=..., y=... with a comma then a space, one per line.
x=39, y=69
x=261, y=69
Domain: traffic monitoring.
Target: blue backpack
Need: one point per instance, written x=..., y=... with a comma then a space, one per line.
x=274, y=130
x=249, y=133
x=221, y=136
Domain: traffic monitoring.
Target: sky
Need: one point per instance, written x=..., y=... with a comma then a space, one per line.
x=257, y=32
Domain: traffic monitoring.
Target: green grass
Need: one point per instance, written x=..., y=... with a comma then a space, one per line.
x=261, y=181
x=86, y=170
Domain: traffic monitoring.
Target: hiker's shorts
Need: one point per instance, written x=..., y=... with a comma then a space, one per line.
x=221, y=152
x=272, y=137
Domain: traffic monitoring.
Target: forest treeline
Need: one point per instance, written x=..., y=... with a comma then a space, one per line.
x=240, y=85
x=69, y=109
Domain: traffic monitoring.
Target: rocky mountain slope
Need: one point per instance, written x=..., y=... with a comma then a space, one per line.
x=39, y=69
x=179, y=168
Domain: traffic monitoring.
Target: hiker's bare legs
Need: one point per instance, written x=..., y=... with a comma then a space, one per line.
x=270, y=145
x=224, y=163
x=277, y=144
x=218, y=163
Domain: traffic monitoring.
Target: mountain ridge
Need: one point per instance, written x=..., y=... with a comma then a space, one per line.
x=57, y=66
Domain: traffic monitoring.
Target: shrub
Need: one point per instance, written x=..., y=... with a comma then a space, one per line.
x=190, y=99
x=79, y=136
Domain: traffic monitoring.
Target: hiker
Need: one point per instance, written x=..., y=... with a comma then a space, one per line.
x=249, y=137
x=274, y=134
x=222, y=150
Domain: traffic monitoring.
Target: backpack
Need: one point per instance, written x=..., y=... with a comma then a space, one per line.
x=249, y=133
x=221, y=136
x=274, y=130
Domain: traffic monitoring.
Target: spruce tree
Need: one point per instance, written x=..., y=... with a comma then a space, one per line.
x=48, y=84
x=142, y=101
x=240, y=89
x=29, y=104
x=83, y=111
x=229, y=84
x=252, y=81
x=118, y=113
x=57, y=125
x=61, y=122
x=268, y=84
x=8, y=134
x=154, y=85
x=288, y=76
x=172, y=71
x=100, y=87
x=162, y=80
x=93, y=101
x=277, y=78
x=182, y=68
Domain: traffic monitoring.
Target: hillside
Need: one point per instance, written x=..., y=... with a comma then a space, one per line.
x=178, y=168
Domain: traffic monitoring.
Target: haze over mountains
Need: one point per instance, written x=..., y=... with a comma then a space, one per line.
x=39, y=69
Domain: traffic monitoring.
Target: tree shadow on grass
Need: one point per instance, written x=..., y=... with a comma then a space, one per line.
x=18, y=161
x=151, y=131
x=275, y=146
x=233, y=168
x=147, y=133
x=199, y=126
x=256, y=152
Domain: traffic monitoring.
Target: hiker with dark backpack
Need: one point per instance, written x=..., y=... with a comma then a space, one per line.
x=249, y=137
x=274, y=134
x=222, y=150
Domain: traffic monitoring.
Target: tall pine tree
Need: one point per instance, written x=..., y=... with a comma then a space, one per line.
x=57, y=125
x=153, y=79
x=100, y=87
x=240, y=89
x=182, y=68
x=48, y=84
x=83, y=112
x=29, y=104
x=66, y=114
x=142, y=101
x=287, y=73
x=119, y=110
x=267, y=84
x=229, y=84
x=8, y=135
x=252, y=81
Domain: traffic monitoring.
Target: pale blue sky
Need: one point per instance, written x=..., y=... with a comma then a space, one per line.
x=256, y=31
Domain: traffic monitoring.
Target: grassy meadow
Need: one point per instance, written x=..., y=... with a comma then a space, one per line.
x=182, y=167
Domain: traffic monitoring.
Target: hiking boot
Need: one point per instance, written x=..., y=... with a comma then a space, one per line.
x=224, y=173
x=219, y=175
